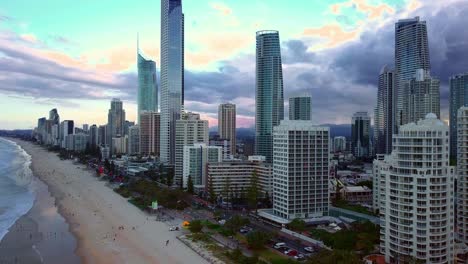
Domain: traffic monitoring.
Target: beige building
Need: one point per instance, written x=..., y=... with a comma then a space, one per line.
x=189, y=130
x=356, y=194
x=149, y=133
x=227, y=124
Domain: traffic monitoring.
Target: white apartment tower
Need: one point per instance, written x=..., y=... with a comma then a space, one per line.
x=416, y=195
x=300, y=170
x=196, y=158
x=462, y=169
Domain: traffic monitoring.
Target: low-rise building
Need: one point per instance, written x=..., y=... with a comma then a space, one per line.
x=356, y=194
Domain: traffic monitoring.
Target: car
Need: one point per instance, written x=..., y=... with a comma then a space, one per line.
x=279, y=244
x=291, y=252
x=222, y=222
x=299, y=257
x=309, y=249
x=282, y=249
x=174, y=228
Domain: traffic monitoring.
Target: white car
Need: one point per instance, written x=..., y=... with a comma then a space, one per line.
x=174, y=228
x=309, y=249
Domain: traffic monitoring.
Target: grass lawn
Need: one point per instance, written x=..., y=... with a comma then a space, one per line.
x=353, y=207
x=274, y=257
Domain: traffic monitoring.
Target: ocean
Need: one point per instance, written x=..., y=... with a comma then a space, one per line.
x=16, y=190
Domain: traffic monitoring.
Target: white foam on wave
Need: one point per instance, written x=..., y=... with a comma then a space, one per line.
x=16, y=195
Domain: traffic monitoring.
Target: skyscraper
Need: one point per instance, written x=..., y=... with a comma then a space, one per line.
x=383, y=116
x=149, y=133
x=196, y=158
x=462, y=170
x=67, y=127
x=458, y=98
x=189, y=130
x=423, y=96
x=227, y=124
x=134, y=140
x=411, y=53
x=102, y=138
x=115, y=121
x=301, y=163
x=416, y=195
x=147, y=85
x=93, y=136
x=172, y=74
x=269, y=102
x=300, y=108
x=360, y=134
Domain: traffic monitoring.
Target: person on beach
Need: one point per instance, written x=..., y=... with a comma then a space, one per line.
x=167, y=242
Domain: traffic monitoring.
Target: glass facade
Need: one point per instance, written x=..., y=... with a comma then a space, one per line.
x=299, y=108
x=147, y=86
x=172, y=74
x=383, y=115
x=458, y=98
x=269, y=91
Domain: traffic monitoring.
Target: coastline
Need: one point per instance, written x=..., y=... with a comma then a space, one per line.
x=94, y=213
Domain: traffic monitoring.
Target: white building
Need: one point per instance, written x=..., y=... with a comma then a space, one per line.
x=339, y=144
x=189, y=130
x=417, y=192
x=119, y=145
x=76, y=142
x=239, y=175
x=462, y=169
x=301, y=164
x=196, y=158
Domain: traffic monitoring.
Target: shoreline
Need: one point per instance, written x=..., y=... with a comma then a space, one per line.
x=95, y=213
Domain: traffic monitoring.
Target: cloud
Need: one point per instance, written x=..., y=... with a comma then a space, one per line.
x=222, y=7
x=372, y=11
x=333, y=34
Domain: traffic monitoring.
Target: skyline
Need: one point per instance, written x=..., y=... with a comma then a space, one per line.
x=339, y=70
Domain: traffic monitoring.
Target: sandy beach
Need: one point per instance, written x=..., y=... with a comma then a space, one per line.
x=95, y=213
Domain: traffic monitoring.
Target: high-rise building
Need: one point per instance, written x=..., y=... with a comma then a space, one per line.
x=227, y=124
x=102, y=138
x=115, y=122
x=423, y=96
x=417, y=195
x=189, y=130
x=119, y=144
x=147, y=85
x=339, y=144
x=462, y=170
x=54, y=119
x=134, y=140
x=238, y=174
x=149, y=133
x=411, y=53
x=225, y=145
x=85, y=128
x=301, y=165
x=93, y=136
x=458, y=98
x=269, y=100
x=300, y=108
x=383, y=115
x=360, y=134
x=196, y=158
x=172, y=75
x=41, y=123
x=67, y=127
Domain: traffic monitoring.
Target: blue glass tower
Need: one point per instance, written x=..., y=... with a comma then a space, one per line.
x=269, y=98
x=172, y=74
x=147, y=85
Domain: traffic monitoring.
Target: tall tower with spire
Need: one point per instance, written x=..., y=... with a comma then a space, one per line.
x=147, y=84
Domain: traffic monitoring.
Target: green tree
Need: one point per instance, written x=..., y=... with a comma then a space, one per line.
x=211, y=191
x=235, y=223
x=227, y=191
x=253, y=191
x=195, y=226
x=334, y=256
x=258, y=239
x=297, y=225
x=190, y=185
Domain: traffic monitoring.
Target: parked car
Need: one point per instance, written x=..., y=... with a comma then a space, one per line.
x=309, y=249
x=174, y=228
x=291, y=252
x=299, y=257
x=279, y=244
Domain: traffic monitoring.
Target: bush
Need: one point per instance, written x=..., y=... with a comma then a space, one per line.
x=297, y=225
x=195, y=226
x=258, y=239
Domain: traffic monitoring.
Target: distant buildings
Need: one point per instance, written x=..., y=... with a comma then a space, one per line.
x=227, y=124
x=134, y=140
x=115, y=122
x=76, y=142
x=384, y=126
x=102, y=135
x=269, y=102
x=301, y=165
x=462, y=169
x=119, y=145
x=172, y=75
x=93, y=136
x=339, y=144
x=300, y=108
x=149, y=133
x=67, y=127
x=411, y=54
x=360, y=135
x=189, y=130
x=416, y=202
x=196, y=158
x=238, y=175
x=147, y=85
x=225, y=145
x=423, y=96
x=458, y=98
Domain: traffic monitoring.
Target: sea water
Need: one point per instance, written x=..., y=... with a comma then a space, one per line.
x=16, y=194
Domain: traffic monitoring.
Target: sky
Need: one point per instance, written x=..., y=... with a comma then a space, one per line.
x=77, y=55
